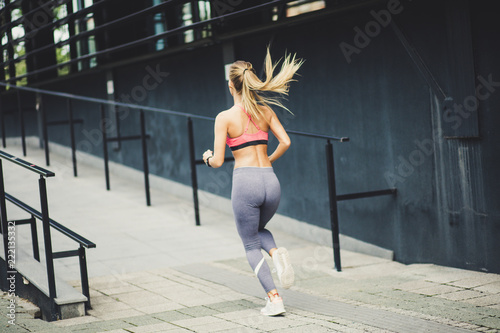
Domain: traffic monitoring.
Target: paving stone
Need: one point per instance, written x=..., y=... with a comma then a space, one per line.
x=102, y=299
x=238, y=314
x=490, y=322
x=160, y=327
x=100, y=326
x=140, y=298
x=437, y=290
x=171, y=316
x=108, y=307
x=14, y=328
x=162, y=307
x=492, y=288
x=461, y=295
x=202, y=320
x=216, y=327
x=242, y=330
x=479, y=279
x=156, y=292
x=75, y=321
x=142, y=320
x=230, y=306
x=199, y=311
x=119, y=290
x=118, y=314
x=484, y=301
x=415, y=285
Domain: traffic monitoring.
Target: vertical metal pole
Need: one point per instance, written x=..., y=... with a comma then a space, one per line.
x=45, y=134
x=105, y=146
x=118, y=145
x=21, y=120
x=2, y=119
x=39, y=121
x=48, y=246
x=72, y=134
x=34, y=239
x=194, y=177
x=3, y=215
x=145, y=157
x=84, y=276
x=334, y=216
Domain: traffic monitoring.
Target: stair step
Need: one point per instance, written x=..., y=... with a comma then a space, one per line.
x=71, y=302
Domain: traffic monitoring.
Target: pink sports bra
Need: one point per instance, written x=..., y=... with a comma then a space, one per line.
x=245, y=140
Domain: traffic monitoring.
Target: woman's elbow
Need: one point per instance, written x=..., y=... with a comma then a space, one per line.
x=286, y=143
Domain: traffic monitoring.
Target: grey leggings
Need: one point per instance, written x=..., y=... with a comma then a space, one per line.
x=255, y=198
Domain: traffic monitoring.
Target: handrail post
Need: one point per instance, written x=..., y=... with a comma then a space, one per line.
x=72, y=135
x=3, y=215
x=334, y=217
x=45, y=133
x=84, y=276
x=194, y=177
x=145, y=157
x=2, y=119
x=118, y=145
x=105, y=145
x=34, y=239
x=48, y=246
x=21, y=120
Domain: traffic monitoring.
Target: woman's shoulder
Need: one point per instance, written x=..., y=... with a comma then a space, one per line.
x=267, y=112
x=225, y=116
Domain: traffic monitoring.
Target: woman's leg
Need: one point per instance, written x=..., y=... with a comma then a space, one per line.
x=247, y=197
x=267, y=211
x=280, y=256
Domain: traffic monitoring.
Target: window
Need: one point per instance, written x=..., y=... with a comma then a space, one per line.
x=86, y=45
x=18, y=45
x=299, y=7
x=61, y=34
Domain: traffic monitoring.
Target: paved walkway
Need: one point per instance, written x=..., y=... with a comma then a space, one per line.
x=154, y=271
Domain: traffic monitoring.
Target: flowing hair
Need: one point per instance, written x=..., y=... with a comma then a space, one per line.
x=245, y=81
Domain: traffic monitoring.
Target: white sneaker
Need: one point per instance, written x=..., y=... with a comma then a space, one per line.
x=284, y=268
x=273, y=308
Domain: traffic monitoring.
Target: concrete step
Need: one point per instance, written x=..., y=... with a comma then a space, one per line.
x=32, y=284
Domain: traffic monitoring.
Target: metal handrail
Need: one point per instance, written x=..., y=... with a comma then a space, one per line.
x=333, y=197
x=105, y=101
x=82, y=12
x=56, y=225
x=86, y=33
x=30, y=166
x=153, y=37
x=47, y=223
x=153, y=109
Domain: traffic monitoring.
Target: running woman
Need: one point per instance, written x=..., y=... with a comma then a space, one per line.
x=256, y=190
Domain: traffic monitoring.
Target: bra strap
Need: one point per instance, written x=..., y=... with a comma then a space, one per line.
x=249, y=119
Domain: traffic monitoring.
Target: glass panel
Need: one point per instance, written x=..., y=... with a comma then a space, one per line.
x=299, y=7
x=159, y=27
x=187, y=18
x=61, y=34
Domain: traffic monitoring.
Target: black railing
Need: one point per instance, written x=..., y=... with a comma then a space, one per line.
x=47, y=223
x=232, y=13
x=333, y=197
x=199, y=24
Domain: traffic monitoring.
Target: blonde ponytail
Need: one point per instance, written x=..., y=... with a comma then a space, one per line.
x=243, y=76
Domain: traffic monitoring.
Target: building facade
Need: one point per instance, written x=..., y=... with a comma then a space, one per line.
x=415, y=85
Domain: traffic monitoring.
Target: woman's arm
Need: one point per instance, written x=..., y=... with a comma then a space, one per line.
x=282, y=136
x=220, y=133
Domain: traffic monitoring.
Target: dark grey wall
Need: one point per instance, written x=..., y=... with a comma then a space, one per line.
x=446, y=210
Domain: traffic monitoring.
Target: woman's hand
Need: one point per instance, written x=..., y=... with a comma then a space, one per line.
x=208, y=153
